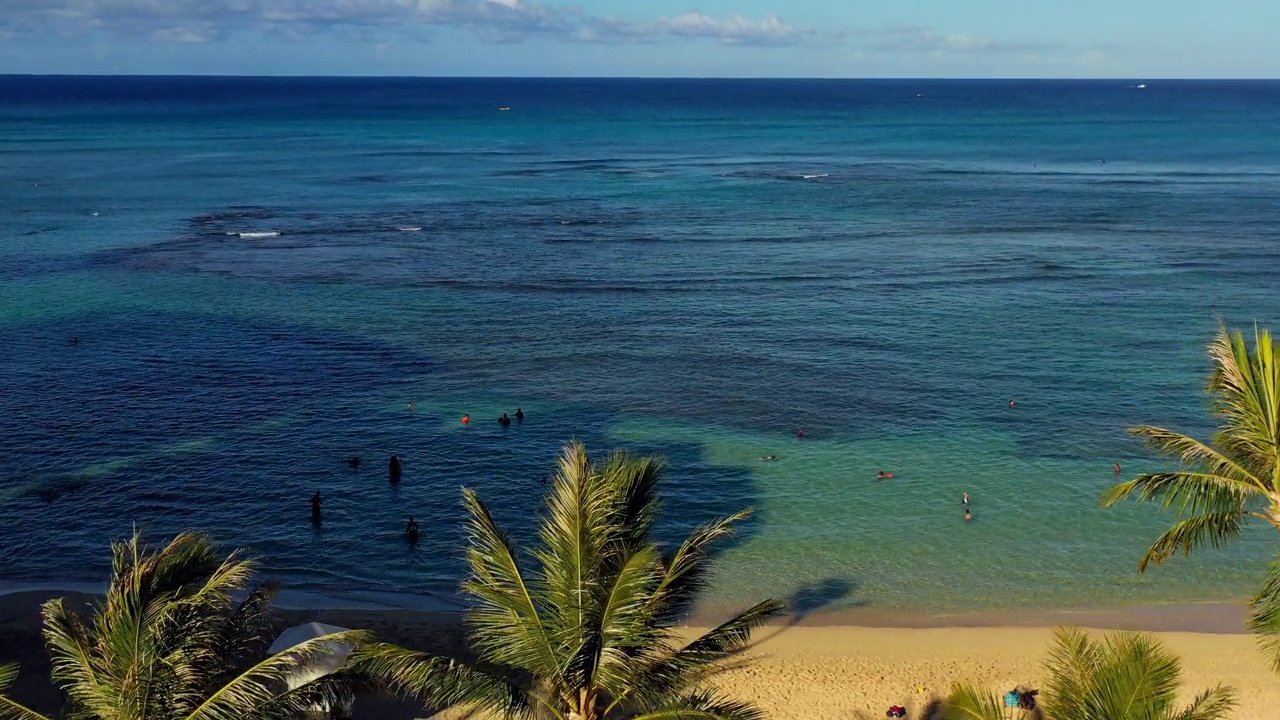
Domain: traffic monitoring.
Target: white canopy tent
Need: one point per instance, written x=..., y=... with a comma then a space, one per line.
x=316, y=667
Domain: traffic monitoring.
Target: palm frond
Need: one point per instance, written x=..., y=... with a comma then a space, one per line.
x=74, y=666
x=967, y=702
x=440, y=682
x=691, y=664
x=507, y=624
x=1138, y=680
x=686, y=569
x=632, y=482
x=704, y=705
x=575, y=532
x=1214, y=529
x=1264, y=616
x=1072, y=660
x=623, y=629
x=266, y=681
x=1246, y=387
x=1213, y=704
x=11, y=709
x=1193, y=453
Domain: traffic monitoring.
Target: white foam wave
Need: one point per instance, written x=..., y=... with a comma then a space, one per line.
x=263, y=234
x=408, y=228
x=813, y=177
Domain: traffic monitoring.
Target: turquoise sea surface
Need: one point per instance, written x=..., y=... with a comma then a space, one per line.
x=214, y=291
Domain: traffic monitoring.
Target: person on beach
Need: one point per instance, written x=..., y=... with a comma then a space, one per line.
x=504, y=421
x=395, y=469
x=519, y=415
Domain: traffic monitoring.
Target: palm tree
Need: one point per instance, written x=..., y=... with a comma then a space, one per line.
x=1127, y=676
x=170, y=642
x=589, y=632
x=1220, y=485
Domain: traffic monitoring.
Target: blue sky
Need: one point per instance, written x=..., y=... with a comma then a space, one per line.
x=723, y=38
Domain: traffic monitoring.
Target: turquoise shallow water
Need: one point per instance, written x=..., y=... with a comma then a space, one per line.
x=262, y=273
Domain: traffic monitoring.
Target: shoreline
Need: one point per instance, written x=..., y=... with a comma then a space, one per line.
x=1210, y=617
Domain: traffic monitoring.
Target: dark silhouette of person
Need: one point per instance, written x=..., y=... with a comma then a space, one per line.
x=395, y=469
x=353, y=462
x=411, y=530
x=316, y=502
x=519, y=415
x=504, y=421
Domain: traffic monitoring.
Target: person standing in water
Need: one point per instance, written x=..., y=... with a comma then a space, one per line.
x=1012, y=404
x=968, y=516
x=519, y=415
x=316, y=502
x=395, y=469
x=1118, y=468
x=504, y=421
x=966, y=500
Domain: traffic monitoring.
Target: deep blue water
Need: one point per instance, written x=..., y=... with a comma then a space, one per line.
x=262, y=273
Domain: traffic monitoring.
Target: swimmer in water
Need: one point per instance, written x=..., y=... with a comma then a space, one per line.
x=504, y=421
x=316, y=502
x=882, y=475
x=409, y=407
x=519, y=415
x=411, y=527
x=800, y=435
x=1118, y=468
x=968, y=516
x=466, y=419
x=966, y=500
x=395, y=469
x=1013, y=404
x=353, y=462
x=769, y=457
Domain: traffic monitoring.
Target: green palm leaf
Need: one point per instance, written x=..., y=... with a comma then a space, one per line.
x=10, y=709
x=967, y=702
x=590, y=632
x=266, y=681
x=703, y=706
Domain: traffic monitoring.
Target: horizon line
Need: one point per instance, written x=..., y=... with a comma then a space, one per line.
x=1009, y=78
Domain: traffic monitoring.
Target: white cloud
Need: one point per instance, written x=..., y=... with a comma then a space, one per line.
x=200, y=21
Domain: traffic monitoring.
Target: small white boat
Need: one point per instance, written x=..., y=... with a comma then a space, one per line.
x=1142, y=86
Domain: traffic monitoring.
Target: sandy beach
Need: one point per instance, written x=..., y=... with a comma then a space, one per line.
x=812, y=669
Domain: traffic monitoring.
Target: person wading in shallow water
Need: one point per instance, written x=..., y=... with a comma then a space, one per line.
x=394, y=469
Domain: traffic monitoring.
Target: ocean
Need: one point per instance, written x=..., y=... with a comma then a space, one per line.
x=213, y=291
